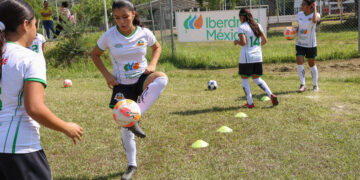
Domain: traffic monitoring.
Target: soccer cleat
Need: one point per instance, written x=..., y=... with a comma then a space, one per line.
x=301, y=89
x=316, y=88
x=129, y=173
x=136, y=129
x=248, y=106
x=274, y=100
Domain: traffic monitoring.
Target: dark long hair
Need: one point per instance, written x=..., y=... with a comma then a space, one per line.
x=117, y=4
x=13, y=13
x=309, y=2
x=250, y=20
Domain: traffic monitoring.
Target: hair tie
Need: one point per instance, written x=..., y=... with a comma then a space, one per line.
x=2, y=26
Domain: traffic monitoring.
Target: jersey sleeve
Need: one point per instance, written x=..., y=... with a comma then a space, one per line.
x=35, y=69
x=42, y=38
x=102, y=43
x=150, y=37
x=240, y=30
x=318, y=15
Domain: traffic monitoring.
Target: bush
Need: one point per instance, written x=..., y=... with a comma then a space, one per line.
x=70, y=47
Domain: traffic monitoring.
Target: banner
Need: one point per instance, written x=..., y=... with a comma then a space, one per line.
x=213, y=25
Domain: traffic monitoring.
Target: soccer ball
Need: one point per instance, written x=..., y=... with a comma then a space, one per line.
x=212, y=85
x=126, y=113
x=289, y=33
x=67, y=83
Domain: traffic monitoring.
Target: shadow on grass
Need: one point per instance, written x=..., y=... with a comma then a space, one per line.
x=114, y=175
x=259, y=96
x=200, y=111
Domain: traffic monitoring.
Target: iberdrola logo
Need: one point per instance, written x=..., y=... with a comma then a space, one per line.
x=132, y=66
x=193, y=22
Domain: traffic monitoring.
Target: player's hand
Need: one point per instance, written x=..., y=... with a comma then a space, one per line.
x=74, y=132
x=111, y=81
x=236, y=42
x=313, y=5
x=150, y=69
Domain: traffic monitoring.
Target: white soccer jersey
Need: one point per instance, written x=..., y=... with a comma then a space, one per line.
x=307, y=30
x=19, y=133
x=127, y=52
x=251, y=52
x=37, y=44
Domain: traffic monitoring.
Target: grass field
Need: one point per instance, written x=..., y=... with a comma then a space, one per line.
x=308, y=136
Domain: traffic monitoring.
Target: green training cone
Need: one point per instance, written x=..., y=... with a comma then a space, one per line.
x=224, y=129
x=241, y=115
x=199, y=144
x=265, y=98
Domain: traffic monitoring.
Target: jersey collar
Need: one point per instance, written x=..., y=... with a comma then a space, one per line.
x=129, y=36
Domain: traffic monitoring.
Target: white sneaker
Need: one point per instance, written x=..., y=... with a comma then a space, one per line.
x=316, y=88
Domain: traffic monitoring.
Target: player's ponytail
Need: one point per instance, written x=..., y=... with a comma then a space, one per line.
x=12, y=14
x=117, y=4
x=250, y=20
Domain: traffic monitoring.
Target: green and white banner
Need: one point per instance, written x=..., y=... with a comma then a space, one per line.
x=213, y=25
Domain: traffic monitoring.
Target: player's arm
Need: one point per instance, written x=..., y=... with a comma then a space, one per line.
x=315, y=18
x=263, y=39
x=43, y=47
x=242, y=41
x=95, y=56
x=35, y=107
x=156, y=52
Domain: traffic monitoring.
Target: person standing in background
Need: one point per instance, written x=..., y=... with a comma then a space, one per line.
x=47, y=20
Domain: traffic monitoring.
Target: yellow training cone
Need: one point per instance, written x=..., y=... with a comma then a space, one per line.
x=241, y=115
x=265, y=98
x=199, y=144
x=224, y=129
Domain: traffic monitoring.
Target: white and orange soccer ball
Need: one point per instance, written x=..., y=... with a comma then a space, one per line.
x=126, y=113
x=67, y=83
x=289, y=33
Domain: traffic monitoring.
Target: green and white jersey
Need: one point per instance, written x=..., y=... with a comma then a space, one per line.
x=307, y=30
x=37, y=44
x=127, y=52
x=19, y=133
x=251, y=52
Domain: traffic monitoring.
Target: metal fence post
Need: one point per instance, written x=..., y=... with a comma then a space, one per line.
x=105, y=16
x=171, y=28
x=358, y=16
x=152, y=17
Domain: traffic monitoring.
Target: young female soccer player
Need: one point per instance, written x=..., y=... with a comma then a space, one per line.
x=22, y=108
x=132, y=78
x=251, y=39
x=306, y=42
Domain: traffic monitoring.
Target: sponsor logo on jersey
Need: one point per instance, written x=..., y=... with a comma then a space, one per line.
x=303, y=31
x=118, y=45
x=140, y=43
x=132, y=66
x=119, y=96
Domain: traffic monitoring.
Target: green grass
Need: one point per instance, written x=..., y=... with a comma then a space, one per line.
x=308, y=136
x=214, y=55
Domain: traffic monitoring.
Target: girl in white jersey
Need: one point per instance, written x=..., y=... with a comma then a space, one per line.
x=306, y=42
x=22, y=108
x=132, y=77
x=252, y=38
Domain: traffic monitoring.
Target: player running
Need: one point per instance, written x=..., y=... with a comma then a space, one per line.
x=252, y=38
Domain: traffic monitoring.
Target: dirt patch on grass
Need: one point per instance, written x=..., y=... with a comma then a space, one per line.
x=333, y=65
